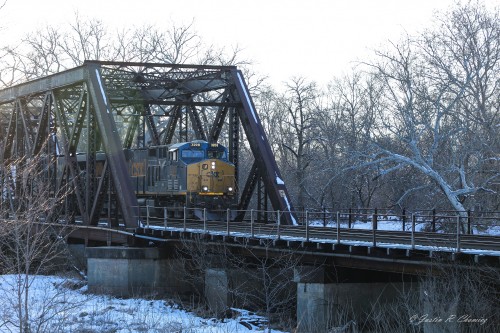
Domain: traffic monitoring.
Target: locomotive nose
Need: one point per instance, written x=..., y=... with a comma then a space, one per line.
x=216, y=177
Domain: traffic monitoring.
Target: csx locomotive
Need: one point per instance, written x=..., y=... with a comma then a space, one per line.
x=194, y=174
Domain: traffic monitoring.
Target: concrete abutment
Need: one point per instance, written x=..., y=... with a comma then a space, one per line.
x=128, y=272
x=324, y=306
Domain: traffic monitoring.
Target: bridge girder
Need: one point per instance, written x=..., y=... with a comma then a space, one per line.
x=108, y=106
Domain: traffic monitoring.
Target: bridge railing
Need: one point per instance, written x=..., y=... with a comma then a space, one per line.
x=425, y=220
x=432, y=228
x=428, y=221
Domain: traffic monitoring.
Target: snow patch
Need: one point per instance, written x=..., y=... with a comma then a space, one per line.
x=64, y=305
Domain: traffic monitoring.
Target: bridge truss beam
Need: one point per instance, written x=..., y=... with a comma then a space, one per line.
x=104, y=107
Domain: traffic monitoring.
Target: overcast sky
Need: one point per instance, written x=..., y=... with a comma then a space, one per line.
x=317, y=39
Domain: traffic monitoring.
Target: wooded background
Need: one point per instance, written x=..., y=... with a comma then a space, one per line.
x=416, y=125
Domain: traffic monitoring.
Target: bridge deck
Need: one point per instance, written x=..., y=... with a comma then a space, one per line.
x=392, y=251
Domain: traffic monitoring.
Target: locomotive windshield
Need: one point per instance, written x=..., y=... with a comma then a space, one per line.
x=219, y=154
x=197, y=151
x=193, y=154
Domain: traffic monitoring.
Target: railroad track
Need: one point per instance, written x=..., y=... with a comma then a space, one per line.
x=383, y=238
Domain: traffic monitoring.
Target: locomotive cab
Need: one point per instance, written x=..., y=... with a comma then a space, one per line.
x=195, y=174
x=209, y=172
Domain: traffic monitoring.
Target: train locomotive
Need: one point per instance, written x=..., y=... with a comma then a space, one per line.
x=196, y=175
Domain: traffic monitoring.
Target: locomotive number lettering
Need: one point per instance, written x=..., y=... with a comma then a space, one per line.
x=138, y=169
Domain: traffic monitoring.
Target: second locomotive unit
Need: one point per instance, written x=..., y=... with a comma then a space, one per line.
x=194, y=174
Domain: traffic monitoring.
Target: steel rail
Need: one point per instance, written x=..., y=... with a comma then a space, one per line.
x=322, y=234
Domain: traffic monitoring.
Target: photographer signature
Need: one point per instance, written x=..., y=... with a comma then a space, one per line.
x=425, y=318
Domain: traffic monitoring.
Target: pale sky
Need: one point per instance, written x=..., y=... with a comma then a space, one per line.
x=318, y=39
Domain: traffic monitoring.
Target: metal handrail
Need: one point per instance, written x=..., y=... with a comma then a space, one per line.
x=335, y=229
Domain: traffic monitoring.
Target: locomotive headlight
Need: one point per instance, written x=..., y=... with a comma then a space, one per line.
x=213, y=165
x=230, y=189
x=204, y=188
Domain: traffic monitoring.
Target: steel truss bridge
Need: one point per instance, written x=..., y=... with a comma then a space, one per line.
x=108, y=107
x=111, y=106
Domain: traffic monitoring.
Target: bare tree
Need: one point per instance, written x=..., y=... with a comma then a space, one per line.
x=148, y=43
x=266, y=283
x=30, y=243
x=298, y=131
x=53, y=48
x=466, y=58
x=253, y=278
x=267, y=102
x=460, y=299
x=346, y=127
x=434, y=102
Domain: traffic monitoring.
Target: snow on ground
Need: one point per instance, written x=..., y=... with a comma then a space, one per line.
x=493, y=230
x=63, y=305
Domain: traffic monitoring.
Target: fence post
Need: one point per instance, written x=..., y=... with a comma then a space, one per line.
x=204, y=220
x=164, y=217
x=227, y=218
x=350, y=219
x=251, y=223
x=307, y=226
x=279, y=225
x=404, y=219
x=433, y=222
x=184, y=219
x=458, y=233
x=374, y=227
x=278, y=221
x=469, y=219
x=338, y=227
x=324, y=217
x=139, y=217
x=413, y=219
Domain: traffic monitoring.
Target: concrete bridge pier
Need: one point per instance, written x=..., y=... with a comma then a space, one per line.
x=244, y=287
x=439, y=312
x=315, y=300
x=323, y=305
x=126, y=271
x=225, y=288
x=217, y=290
